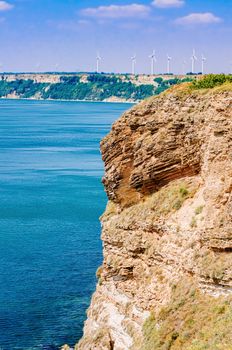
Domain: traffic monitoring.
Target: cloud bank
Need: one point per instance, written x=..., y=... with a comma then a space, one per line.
x=117, y=11
x=168, y=3
x=198, y=18
x=5, y=6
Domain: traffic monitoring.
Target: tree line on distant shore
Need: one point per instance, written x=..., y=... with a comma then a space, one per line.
x=98, y=87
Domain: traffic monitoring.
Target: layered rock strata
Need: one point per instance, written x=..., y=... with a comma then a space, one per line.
x=168, y=177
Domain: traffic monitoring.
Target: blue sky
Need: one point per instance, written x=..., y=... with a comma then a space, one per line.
x=42, y=35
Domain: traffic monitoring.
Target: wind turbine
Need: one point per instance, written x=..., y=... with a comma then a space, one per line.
x=193, y=59
x=203, y=60
x=168, y=63
x=153, y=60
x=98, y=58
x=133, y=60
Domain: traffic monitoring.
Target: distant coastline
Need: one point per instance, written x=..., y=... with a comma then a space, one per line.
x=116, y=88
x=63, y=100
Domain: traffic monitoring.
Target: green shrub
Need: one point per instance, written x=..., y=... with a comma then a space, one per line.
x=158, y=80
x=210, y=81
x=184, y=192
x=182, y=195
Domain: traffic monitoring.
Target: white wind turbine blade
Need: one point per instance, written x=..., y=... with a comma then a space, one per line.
x=169, y=58
x=153, y=61
x=194, y=55
x=153, y=55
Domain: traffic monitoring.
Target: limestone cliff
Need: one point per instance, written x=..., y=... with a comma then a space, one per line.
x=166, y=280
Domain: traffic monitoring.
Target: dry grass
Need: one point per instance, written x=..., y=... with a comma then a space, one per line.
x=162, y=203
x=215, y=265
x=193, y=223
x=199, y=210
x=171, y=197
x=186, y=89
x=192, y=321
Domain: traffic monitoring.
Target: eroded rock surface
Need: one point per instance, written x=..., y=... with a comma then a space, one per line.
x=168, y=177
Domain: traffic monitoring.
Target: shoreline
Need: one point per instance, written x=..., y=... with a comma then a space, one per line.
x=63, y=100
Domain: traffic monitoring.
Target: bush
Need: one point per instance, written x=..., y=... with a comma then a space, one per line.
x=23, y=88
x=70, y=80
x=210, y=81
x=158, y=80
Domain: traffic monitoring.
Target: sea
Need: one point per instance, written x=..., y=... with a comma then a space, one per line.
x=51, y=198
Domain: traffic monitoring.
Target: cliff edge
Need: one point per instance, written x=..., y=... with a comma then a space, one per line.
x=166, y=279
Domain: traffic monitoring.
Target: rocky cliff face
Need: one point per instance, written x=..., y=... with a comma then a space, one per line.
x=166, y=278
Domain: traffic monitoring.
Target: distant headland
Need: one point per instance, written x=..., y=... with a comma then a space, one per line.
x=105, y=87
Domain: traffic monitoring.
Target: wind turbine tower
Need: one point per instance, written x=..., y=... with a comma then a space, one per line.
x=133, y=60
x=98, y=58
x=193, y=59
x=168, y=63
x=203, y=60
x=153, y=60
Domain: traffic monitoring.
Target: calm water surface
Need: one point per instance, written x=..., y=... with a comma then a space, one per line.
x=50, y=200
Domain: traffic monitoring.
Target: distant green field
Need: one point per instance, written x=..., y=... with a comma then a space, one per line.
x=98, y=87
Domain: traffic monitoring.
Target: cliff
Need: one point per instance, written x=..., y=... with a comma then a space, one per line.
x=166, y=279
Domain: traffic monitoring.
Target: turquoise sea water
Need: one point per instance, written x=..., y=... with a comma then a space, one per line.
x=50, y=200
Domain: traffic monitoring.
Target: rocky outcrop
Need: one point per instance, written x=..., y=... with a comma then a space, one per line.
x=168, y=224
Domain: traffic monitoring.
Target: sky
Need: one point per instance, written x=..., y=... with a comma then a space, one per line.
x=66, y=35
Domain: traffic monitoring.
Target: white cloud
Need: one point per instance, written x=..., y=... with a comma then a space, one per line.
x=198, y=18
x=168, y=3
x=5, y=6
x=117, y=11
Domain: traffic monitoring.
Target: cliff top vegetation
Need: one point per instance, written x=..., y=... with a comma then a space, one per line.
x=211, y=81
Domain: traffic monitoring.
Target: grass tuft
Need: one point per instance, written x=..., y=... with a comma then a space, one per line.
x=199, y=210
x=191, y=321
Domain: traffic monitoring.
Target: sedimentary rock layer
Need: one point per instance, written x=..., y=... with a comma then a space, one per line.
x=168, y=177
